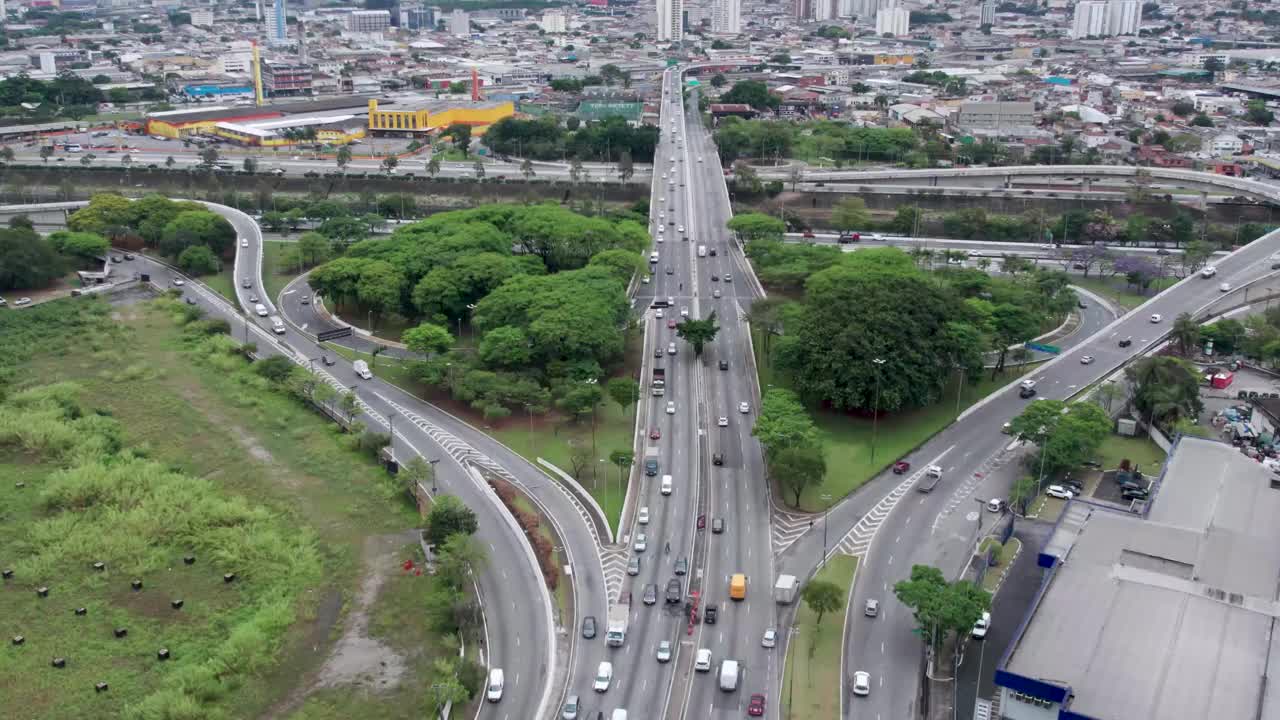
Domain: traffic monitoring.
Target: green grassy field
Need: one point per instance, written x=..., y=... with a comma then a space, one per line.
x=811, y=682
x=1120, y=293
x=847, y=439
x=274, y=274
x=1140, y=450
x=206, y=416
x=991, y=580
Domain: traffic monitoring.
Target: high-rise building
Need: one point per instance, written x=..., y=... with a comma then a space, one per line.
x=894, y=21
x=420, y=18
x=867, y=9
x=460, y=23
x=1095, y=18
x=670, y=20
x=277, y=27
x=199, y=18
x=726, y=17
x=369, y=21
x=283, y=78
x=803, y=9
x=988, y=13
x=825, y=9
x=554, y=21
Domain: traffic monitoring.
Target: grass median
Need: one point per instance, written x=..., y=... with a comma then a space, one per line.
x=1137, y=450
x=811, y=682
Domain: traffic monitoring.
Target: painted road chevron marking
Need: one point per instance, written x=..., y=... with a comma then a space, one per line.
x=788, y=527
x=858, y=540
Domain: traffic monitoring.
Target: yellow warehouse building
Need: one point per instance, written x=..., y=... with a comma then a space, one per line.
x=408, y=119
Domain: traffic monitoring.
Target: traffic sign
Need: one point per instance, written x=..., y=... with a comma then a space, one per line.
x=334, y=334
x=1051, y=349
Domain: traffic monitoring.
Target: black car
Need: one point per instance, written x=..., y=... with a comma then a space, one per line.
x=671, y=270
x=715, y=278
x=128, y=256
x=724, y=364
x=673, y=591
x=589, y=627
x=650, y=594
x=682, y=566
x=1026, y=392
x=709, y=615
x=717, y=459
x=327, y=360
x=1136, y=494
x=1126, y=342
x=713, y=252
x=717, y=526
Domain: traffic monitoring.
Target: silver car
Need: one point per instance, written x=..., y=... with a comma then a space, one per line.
x=664, y=651
x=570, y=709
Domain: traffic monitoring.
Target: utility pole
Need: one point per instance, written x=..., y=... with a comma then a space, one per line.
x=875, y=412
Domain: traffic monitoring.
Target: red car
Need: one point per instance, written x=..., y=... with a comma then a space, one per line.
x=671, y=323
x=901, y=467
x=655, y=433
x=755, y=708
x=808, y=233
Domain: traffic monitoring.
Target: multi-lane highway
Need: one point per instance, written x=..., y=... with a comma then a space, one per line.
x=939, y=528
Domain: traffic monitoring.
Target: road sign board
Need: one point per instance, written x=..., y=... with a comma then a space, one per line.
x=333, y=334
x=1051, y=349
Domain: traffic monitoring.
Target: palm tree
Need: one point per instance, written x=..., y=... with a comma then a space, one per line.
x=344, y=157
x=45, y=152
x=6, y=154
x=390, y=162
x=1186, y=333
x=433, y=166
x=479, y=168
x=169, y=162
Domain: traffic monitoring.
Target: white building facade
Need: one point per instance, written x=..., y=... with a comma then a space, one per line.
x=893, y=21
x=726, y=17
x=670, y=20
x=1094, y=18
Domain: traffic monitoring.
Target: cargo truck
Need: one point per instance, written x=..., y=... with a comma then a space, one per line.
x=616, y=635
x=784, y=590
x=362, y=370
x=659, y=381
x=651, y=461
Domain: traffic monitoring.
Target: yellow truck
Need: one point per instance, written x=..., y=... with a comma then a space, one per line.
x=738, y=587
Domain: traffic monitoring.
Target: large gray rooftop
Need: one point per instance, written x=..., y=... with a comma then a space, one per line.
x=1169, y=616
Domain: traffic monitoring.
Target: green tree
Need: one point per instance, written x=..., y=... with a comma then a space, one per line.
x=850, y=214
x=1182, y=108
x=433, y=166
x=1185, y=334
x=478, y=168
x=1165, y=389
x=941, y=608
x=624, y=391
x=1011, y=324
x=1258, y=114
x=757, y=226
x=822, y=597
x=199, y=260
x=526, y=169
x=209, y=155
x=197, y=227
x=389, y=163
x=1022, y=493
x=718, y=80
x=1202, y=120
x=448, y=516
x=783, y=422
x=753, y=93
x=250, y=165
x=461, y=135
x=27, y=261
x=505, y=347
x=459, y=555
x=417, y=472
x=427, y=339
x=85, y=245
x=698, y=332
x=343, y=157
x=798, y=469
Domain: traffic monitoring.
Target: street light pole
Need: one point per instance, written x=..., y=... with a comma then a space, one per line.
x=875, y=411
x=432, y=463
x=826, y=499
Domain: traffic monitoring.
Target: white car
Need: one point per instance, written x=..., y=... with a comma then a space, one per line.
x=770, y=638
x=179, y=282
x=671, y=408
x=995, y=505
x=699, y=158
x=658, y=313
x=664, y=651
x=862, y=683
x=744, y=407
x=1086, y=360
x=723, y=421
x=22, y=301
x=1155, y=317
x=244, y=242
x=643, y=516
x=496, y=682
x=684, y=312
x=1224, y=287
x=662, y=229
x=604, y=677
x=680, y=229
x=716, y=293
x=702, y=661
x=1057, y=491
x=980, y=628
x=641, y=544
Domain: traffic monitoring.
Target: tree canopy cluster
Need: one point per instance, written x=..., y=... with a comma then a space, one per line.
x=28, y=261
x=923, y=324
x=1067, y=434
x=168, y=226
x=792, y=446
x=751, y=92
x=544, y=289
x=546, y=139
x=67, y=95
x=736, y=138
x=941, y=608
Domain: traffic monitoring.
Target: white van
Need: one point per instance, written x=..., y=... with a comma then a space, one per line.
x=667, y=485
x=618, y=714
x=653, y=257
x=729, y=675
x=496, y=682
x=702, y=251
x=1208, y=271
x=260, y=309
x=362, y=369
x=277, y=326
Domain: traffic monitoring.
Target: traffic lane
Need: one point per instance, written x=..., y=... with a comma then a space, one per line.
x=976, y=677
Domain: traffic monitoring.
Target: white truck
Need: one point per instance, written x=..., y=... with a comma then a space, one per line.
x=702, y=251
x=616, y=634
x=362, y=369
x=784, y=590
